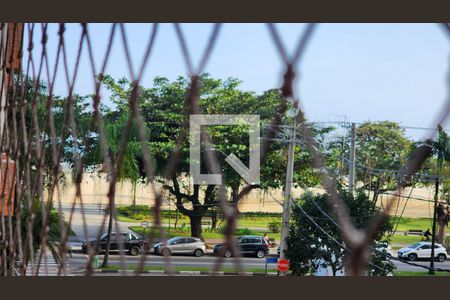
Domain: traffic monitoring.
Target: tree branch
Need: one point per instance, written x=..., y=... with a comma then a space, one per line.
x=245, y=191
x=175, y=190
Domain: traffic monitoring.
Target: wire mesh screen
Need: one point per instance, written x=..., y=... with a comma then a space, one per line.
x=42, y=137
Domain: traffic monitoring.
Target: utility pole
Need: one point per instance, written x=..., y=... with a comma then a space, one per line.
x=170, y=214
x=351, y=175
x=287, y=194
x=433, y=230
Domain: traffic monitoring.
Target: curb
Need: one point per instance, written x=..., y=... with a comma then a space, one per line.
x=157, y=272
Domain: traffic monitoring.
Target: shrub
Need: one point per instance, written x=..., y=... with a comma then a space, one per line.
x=243, y=231
x=260, y=215
x=274, y=227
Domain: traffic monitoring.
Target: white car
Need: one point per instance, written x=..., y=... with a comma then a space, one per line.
x=181, y=245
x=423, y=250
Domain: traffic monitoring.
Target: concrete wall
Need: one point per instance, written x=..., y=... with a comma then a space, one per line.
x=95, y=188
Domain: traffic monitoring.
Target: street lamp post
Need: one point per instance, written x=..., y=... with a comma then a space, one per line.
x=433, y=230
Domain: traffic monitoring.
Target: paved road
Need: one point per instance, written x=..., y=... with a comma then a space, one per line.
x=405, y=267
x=78, y=261
x=93, y=215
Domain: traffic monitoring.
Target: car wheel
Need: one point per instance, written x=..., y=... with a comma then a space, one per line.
x=441, y=257
x=227, y=253
x=165, y=252
x=198, y=252
x=134, y=250
x=412, y=257
x=260, y=253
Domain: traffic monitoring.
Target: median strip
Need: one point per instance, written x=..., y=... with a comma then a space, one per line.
x=194, y=273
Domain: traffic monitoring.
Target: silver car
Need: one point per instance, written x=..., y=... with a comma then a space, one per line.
x=181, y=245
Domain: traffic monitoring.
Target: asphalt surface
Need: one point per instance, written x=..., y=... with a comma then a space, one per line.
x=78, y=262
x=405, y=267
x=93, y=217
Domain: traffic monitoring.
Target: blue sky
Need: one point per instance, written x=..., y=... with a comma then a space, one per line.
x=363, y=71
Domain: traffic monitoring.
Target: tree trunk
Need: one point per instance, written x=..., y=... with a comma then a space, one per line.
x=213, y=220
x=196, y=225
x=375, y=197
x=442, y=220
x=108, y=240
x=176, y=218
x=441, y=232
x=134, y=185
x=376, y=191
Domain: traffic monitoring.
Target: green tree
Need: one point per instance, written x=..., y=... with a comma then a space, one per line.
x=37, y=93
x=310, y=248
x=381, y=145
x=115, y=122
x=441, y=149
x=162, y=107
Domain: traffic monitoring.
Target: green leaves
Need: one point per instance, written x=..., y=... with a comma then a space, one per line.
x=307, y=244
x=381, y=145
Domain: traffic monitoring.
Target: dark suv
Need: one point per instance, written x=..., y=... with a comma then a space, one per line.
x=253, y=245
x=130, y=242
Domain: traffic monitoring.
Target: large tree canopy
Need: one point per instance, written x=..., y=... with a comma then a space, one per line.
x=380, y=145
x=163, y=110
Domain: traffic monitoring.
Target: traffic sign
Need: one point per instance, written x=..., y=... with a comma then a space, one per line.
x=144, y=224
x=283, y=265
x=271, y=260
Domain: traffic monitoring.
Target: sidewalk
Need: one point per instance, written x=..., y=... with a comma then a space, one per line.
x=48, y=266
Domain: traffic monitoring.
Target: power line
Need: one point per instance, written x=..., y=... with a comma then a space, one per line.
x=321, y=229
x=392, y=257
x=331, y=237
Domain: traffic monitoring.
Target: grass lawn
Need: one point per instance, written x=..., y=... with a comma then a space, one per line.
x=257, y=221
x=404, y=223
x=123, y=218
x=245, y=222
x=412, y=223
x=242, y=222
x=180, y=268
x=425, y=273
x=405, y=239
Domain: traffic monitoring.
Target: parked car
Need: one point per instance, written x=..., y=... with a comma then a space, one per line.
x=130, y=242
x=181, y=245
x=248, y=244
x=422, y=250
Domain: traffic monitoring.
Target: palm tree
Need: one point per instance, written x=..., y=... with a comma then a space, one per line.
x=130, y=168
x=442, y=151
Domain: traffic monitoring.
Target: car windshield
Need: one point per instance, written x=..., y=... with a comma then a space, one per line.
x=170, y=241
x=414, y=246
